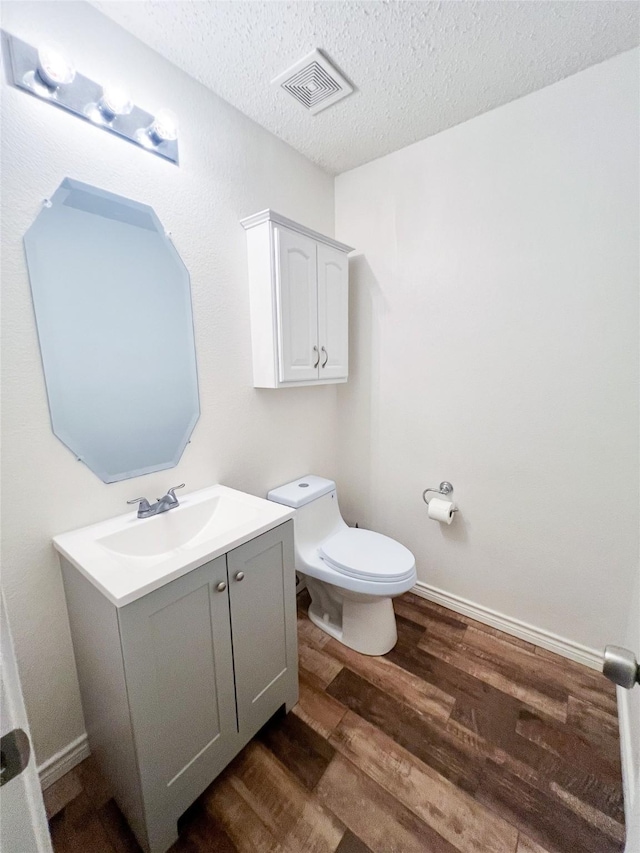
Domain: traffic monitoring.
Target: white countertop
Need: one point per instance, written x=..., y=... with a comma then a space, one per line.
x=127, y=557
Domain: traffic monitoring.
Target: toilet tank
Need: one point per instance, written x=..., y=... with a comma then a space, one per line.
x=301, y=491
x=317, y=512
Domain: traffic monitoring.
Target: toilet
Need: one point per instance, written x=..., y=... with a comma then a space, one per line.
x=352, y=574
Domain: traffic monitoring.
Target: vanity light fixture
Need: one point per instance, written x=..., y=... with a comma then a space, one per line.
x=114, y=102
x=54, y=69
x=163, y=128
x=47, y=73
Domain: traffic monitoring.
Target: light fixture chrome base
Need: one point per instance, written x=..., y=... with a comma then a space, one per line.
x=82, y=97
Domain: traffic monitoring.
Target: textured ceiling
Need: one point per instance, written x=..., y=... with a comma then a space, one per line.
x=418, y=67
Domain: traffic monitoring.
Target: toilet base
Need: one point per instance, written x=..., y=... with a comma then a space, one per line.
x=366, y=623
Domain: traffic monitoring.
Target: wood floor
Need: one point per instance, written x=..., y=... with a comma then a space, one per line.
x=460, y=739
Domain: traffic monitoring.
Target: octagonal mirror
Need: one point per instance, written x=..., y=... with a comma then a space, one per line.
x=112, y=300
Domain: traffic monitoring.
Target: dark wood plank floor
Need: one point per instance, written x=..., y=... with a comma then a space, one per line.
x=460, y=739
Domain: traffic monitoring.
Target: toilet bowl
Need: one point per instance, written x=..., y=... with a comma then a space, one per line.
x=352, y=574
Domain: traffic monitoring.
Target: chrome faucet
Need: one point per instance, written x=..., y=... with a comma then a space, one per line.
x=167, y=502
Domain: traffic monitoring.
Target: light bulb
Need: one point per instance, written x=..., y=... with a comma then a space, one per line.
x=164, y=127
x=114, y=102
x=54, y=68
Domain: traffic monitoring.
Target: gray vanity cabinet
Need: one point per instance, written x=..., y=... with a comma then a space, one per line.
x=175, y=683
x=176, y=646
x=260, y=607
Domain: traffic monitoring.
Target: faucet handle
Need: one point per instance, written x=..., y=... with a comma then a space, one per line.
x=172, y=491
x=143, y=503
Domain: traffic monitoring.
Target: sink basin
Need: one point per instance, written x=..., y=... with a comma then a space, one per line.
x=127, y=557
x=182, y=527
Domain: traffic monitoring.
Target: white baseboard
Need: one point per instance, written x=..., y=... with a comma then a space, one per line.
x=537, y=636
x=55, y=767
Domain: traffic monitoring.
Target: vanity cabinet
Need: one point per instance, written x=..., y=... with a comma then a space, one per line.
x=298, y=287
x=175, y=683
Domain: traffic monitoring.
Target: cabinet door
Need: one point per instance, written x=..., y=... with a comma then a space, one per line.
x=297, y=294
x=179, y=671
x=263, y=618
x=333, y=313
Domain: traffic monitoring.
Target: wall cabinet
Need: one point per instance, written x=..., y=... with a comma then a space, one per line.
x=298, y=287
x=175, y=683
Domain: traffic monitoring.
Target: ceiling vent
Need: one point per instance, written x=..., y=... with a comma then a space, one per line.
x=314, y=83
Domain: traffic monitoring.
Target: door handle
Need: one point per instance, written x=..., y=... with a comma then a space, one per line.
x=315, y=349
x=15, y=750
x=621, y=667
x=324, y=363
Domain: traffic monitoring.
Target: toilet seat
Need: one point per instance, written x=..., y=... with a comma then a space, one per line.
x=366, y=555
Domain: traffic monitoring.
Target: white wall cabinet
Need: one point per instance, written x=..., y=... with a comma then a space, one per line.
x=299, y=294
x=175, y=683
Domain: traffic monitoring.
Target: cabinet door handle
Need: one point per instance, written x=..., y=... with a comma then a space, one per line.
x=324, y=363
x=315, y=349
x=239, y=576
x=221, y=586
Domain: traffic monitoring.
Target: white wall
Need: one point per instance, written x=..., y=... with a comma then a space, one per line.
x=495, y=344
x=247, y=439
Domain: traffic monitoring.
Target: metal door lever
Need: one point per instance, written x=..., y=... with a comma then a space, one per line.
x=621, y=667
x=15, y=750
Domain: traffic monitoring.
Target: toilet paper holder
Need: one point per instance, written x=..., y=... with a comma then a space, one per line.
x=445, y=489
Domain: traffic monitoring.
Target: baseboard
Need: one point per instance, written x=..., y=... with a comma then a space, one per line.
x=538, y=636
x=55, y=767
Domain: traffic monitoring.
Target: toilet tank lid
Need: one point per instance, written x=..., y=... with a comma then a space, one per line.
x=301, y=491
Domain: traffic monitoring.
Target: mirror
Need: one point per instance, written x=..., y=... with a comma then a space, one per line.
x=112, y=301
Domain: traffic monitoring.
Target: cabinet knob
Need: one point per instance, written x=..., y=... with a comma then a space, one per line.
x=239, y=576
x=221, y=586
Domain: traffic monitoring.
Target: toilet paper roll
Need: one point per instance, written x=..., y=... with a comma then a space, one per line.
x=440, y=510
